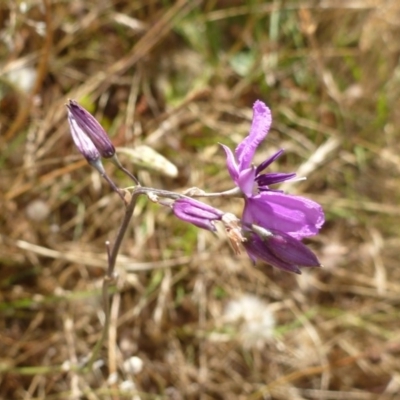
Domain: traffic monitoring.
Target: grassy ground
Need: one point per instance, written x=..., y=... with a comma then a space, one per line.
x=189, y=318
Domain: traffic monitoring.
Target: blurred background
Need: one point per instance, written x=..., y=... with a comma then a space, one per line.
x=189, y=318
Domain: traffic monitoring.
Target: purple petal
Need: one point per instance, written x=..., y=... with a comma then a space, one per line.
x=297, y=216
x=269, y=161
x=256, y=248
x=231, y=163
x=246, y=181
x=248, y=217
x=259, y=128
x=199, y=222
x=272, y=178
x=291, y=250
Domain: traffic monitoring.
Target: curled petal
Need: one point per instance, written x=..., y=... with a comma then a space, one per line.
x=231, y=163
x=259, y=129
x=294, y=215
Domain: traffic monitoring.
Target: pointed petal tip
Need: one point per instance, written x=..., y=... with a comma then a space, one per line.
x=289, y=268
x=71, y=103
x=310, y=265
x=231, y=163
x=297, y=271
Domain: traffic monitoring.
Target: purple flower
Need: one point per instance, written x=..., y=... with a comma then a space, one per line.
x=197, y=213
x=278, y=249
x=82, y=122
x=271, y=209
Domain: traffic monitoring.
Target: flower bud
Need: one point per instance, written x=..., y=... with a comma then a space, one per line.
x=197, y=213
x=84, y=144
x=89, y=126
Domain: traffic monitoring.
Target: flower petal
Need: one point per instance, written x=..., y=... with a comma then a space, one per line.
x=256, y=248
x=246, y=181
x=269, y=161
x=272, y=178
x=259, y=128
x=295, y=215
x=231, y=163
x=291, y=250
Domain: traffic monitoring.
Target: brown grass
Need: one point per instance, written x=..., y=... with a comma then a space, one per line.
x=181, y=77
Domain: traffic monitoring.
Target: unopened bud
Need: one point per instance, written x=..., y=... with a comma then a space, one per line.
x=90, y=126
x=197, y=213
x=84, y=144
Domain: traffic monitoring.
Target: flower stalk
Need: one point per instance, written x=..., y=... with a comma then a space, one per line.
x=272, y=224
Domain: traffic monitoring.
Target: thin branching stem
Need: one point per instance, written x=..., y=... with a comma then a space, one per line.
x=113, y=254
x=109, y=277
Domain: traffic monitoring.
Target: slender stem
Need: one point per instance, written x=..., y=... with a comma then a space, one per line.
x=191, y=193
x=235, y=192
x=121, y=233
x=116, y=162
x=114, y=187
x=159, y=192
x=133, y=177
x=112, y=258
